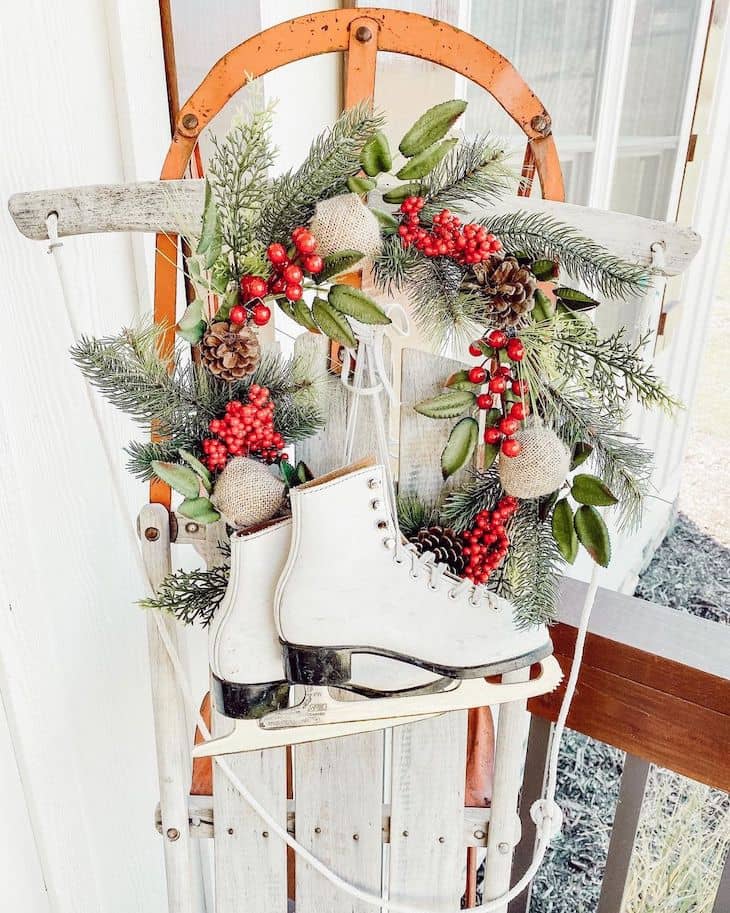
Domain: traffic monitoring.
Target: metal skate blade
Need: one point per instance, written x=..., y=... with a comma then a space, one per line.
x=319, y=707
x=248, y=735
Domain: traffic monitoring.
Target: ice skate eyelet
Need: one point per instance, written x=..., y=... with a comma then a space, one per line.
x=376, y=505
x=373, y=483
x=382, y=524
x=399, y=560
x=389, y=543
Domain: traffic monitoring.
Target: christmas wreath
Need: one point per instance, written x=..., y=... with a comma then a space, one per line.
x=545, y=396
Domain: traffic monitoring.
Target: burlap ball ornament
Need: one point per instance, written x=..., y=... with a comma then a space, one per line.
x=541, y=467
x=345, y=223
x=246, y=493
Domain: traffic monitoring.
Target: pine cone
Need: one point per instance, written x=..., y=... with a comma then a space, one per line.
x=445, y=544
x=230, y=351
x=509, y=288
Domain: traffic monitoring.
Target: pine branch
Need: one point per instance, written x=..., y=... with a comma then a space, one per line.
x=142, y=453
x=530, y=575
x=333, y=157
x=415, y=514
x=191, y=596
x=475, y=171
x=443, y=312
x=461, y=505
x=540, y=236
x=395, y=264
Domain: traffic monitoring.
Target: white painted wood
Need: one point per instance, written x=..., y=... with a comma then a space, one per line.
x=250, y=862
x=174, y=206
x=428, y=758
x=172, y=733
x=340, y=820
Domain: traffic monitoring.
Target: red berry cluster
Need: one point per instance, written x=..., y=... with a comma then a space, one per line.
x=246, y=429
x=486, y=543
x=499, y=378
x=470, y=243
x=289, y=266
x=253, y=290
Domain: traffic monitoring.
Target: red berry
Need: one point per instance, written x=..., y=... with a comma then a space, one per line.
x=237, y=315
x=511, y=448
x=475, y=350
x=293, y=274
x=520, y=387
x=294, y=292
x=243, y=284
x=508, y=425
x=298, y=231
x=257, y=287
x=517, y=411
x=515, y=349
x=497, y=339
x=497, y=385
x=492, y=435
x=477, y=375
x=306, y=243
x=278, y=285
x=484, y=401
x=314, y=263
x=261, y=315
x=503, y=371
x=276, y=254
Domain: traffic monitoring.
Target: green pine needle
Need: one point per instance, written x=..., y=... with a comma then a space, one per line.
x=462, y=504
x=415, y=514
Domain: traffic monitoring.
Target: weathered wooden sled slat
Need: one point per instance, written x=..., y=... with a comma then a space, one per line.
x=175, y=207
x=427, y=855
x=340, y=820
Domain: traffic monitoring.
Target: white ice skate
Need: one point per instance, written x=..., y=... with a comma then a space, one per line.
x=247, y=673
x=353, y=592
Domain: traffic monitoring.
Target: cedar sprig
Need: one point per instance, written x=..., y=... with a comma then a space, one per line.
x=191, y=596
x=476, y=171
x=530, y=575
x=539, y=236
x=333, y=157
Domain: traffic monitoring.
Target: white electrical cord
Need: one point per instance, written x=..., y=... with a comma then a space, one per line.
x=545, y=813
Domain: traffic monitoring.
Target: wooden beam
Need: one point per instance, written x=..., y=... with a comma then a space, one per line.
x=654, y=682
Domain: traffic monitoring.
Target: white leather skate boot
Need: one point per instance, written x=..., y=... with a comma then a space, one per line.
x=352, y=588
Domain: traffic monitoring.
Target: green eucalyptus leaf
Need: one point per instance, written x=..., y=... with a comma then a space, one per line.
x=431, y=126
x=360, y=185
x=303, y=316
x=544, y=308
x=333, y=323
x=376, y=156
x=446, y=405
x=340, y=262
x=181, y=478
x=574, y=300
x=215, y=248
x=355, y=303
x=489, y=453
x=459, y=447
x=402, y=192
x=493, y=417
x=388, y=225
x=286, y=306
x=593, y=534
x=288, y=473
x=424, y=162
x=564, y=531
x=459, y=380
x=210, y=222
x=304, y=473
x=199, y=509
x=544, y=269
x=581, y=452
x=192, y=323
x=588, y=489
x=198, y=468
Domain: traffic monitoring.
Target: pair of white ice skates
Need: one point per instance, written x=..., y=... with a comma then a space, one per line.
x=334, y=597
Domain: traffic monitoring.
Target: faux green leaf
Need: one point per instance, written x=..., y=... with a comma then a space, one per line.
x=198, y=468
x=431, y=126
x=544, y=269
x=304, y=473
x=490, y=455
x=357, y=304
x=588, y=489
x=210, y=222
x=333, y=323
x=338, y=263
x=303, y=315
x=593, y=534
x=388, y=225
x=564, y=531
x=446, y=405
x=581, y=452
x=220, y=277
x=459, y=447
x=199, y=509
x=492, y=417
x=288, y=473
x=424, y=162
x=192, y=323
x=229, y=302
x=544, y=308
x=215, y=247
x=399, y=193
x=287, y=308
x=181, y=478
x=360, y=185
x=459, y=380
x=546, y=504
x=575, y=300
x=375, y=156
